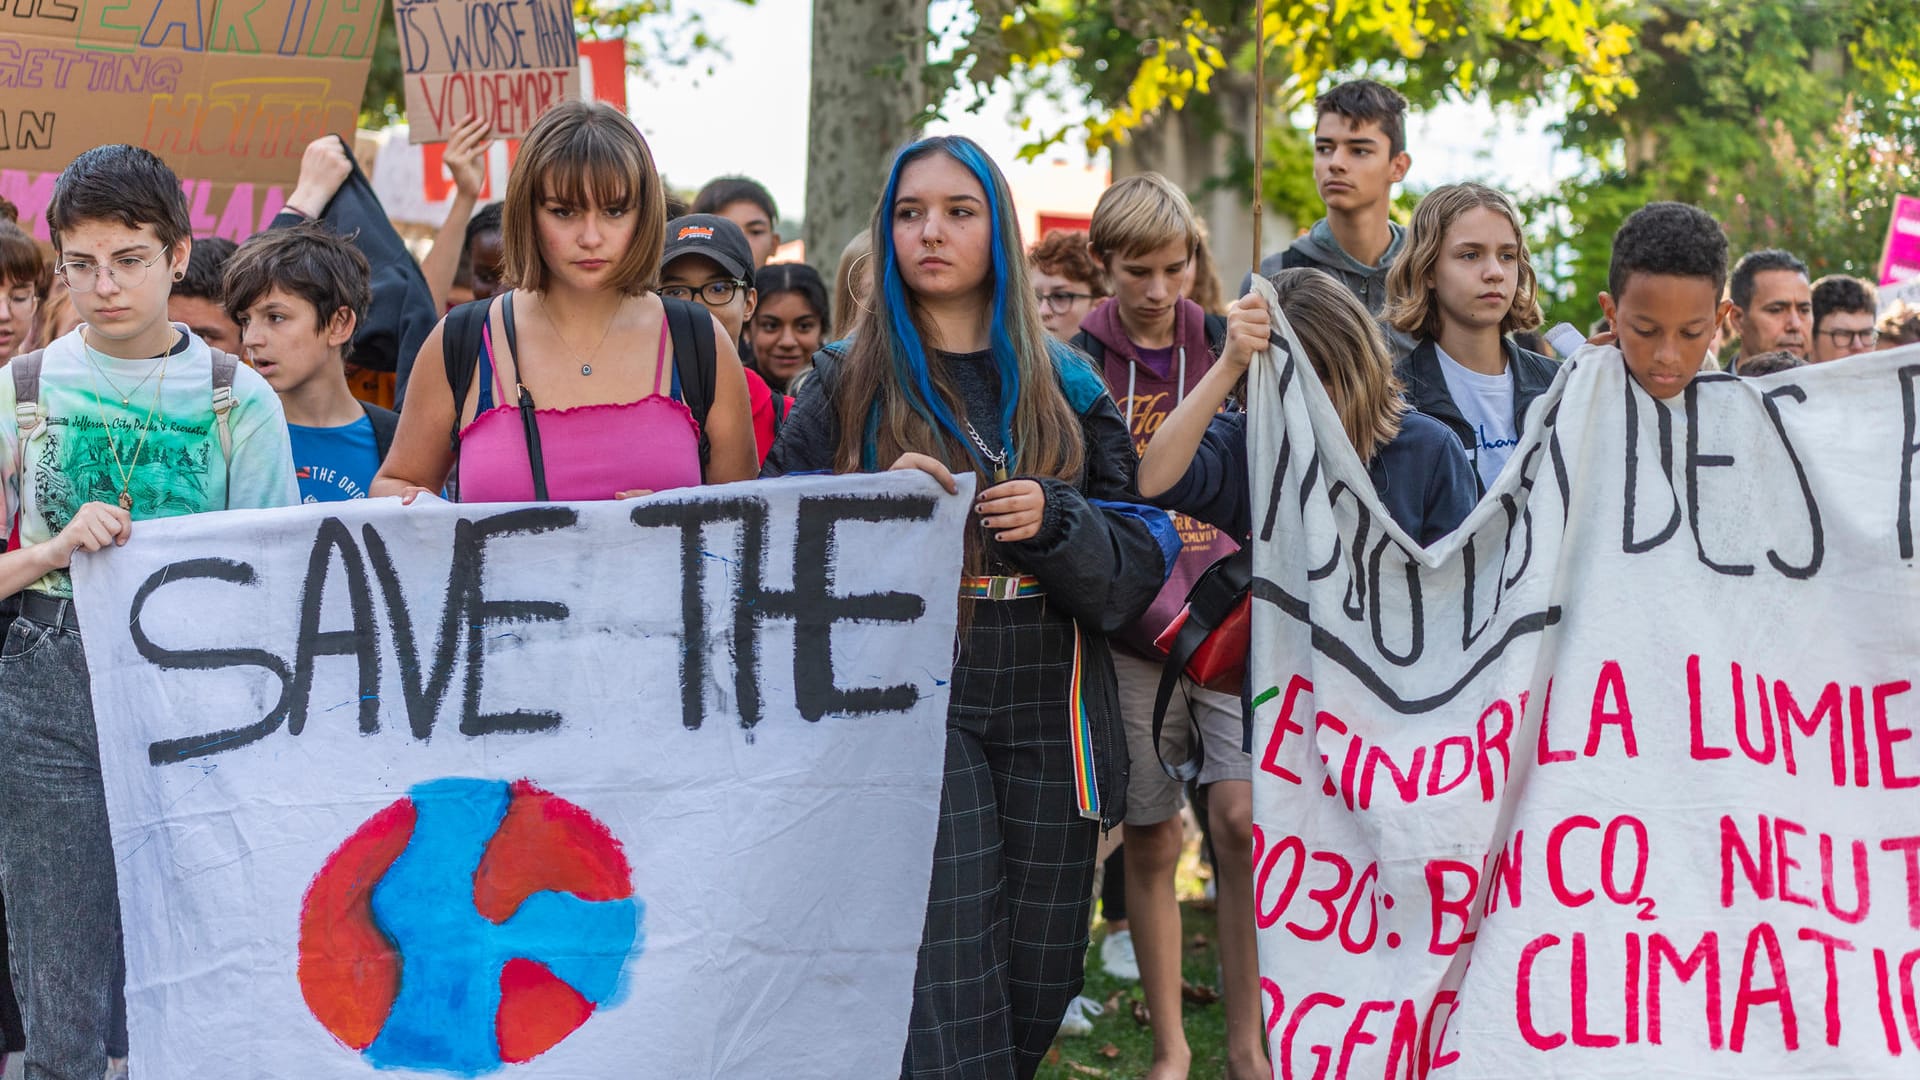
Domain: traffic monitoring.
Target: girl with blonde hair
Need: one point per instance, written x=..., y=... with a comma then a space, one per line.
x=1197, y=461
x=948, y=369
x=1461, y=284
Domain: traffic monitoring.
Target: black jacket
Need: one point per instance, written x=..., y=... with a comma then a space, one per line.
x=1427, y=387
x=402, y=312
x=1101, y=553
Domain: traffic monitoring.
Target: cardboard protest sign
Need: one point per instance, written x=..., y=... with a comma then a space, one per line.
x=595, y=790
x=1900, y=256
x=506, y=60
x=229, y=94
x=1617, y=780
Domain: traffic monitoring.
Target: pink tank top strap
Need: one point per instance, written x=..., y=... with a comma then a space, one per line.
x=660, y=355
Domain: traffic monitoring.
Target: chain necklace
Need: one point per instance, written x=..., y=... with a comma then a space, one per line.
x=586, y=368
x=998, y=461
x=126, y=471
x=126, y=396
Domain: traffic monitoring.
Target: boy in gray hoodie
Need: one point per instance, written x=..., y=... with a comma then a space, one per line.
x=1359, y=153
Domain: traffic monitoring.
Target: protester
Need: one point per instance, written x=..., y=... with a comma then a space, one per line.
x=196, y=299
x=1152, y=345
x=1772, y=304
x=852, y=284
x=1359, y=153
x=1461, y=283
x=951, y=365
x=465, y=157
x=1197, y=461
x=486, y=253
x=1899, y=325
x=298, y=295
x=1843, y=314
x=707, y=259
x=1203, y=277
x=23, y=286
x=584, y=225
x=1067, y=282
x=332, y=189
x=152, y=424
x=789, y=322
x=1769, y=363
x=1668, y=267
x=747, y=204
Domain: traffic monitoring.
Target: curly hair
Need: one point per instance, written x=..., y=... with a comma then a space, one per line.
x=1843, y=294
x=1064, y=255
x=1671, y=239
x=1410, y=302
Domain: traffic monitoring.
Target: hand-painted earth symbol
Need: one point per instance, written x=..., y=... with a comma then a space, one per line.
x=470, y=925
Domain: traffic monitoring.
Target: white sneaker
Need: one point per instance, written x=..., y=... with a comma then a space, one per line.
x=1080, y=1014
x=116, y=1069
x=1116, y=955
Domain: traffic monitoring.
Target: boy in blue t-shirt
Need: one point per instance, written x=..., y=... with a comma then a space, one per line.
x=298, y=294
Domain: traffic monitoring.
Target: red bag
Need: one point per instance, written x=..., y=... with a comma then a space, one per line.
x=1208, y=642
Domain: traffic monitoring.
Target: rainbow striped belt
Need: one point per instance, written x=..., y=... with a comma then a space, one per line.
x=1000, y=588
x=1086, y=789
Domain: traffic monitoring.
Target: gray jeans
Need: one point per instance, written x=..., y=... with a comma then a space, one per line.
x=56, y=855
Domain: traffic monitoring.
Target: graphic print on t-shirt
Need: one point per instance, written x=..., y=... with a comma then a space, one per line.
x=1486, y=404
x=78, y=464
x=334, y=464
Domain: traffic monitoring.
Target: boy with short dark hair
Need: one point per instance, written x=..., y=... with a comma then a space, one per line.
x=1359, y=153
x=129, y=417
x=1844, y=309
x=298, y=294
x=748, y=204
x=1663, y=293
x=195, y=299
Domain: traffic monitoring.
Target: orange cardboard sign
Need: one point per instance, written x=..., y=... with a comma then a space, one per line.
x=229, y=94
x=506, y=60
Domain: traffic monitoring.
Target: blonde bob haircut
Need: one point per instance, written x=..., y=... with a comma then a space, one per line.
x=1348, y=353
x=1139, y=215
x=1410, y=304
x=579, y=154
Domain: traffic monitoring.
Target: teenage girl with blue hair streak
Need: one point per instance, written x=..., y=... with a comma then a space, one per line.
x=949, y=368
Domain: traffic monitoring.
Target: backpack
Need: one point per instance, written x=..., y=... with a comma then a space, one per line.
x=28, y=414
x=694, y=358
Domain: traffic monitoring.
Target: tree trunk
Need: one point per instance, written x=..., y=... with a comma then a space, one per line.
x=869, y=60
x=1183, y=151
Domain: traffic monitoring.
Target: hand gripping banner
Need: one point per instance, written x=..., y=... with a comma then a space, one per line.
x=1618, y=780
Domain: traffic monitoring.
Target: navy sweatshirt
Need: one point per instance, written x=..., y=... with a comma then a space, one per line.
x=1423, y=476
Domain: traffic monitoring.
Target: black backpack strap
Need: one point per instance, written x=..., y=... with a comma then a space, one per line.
x=460, y=352
x=385, y=422
x=529, y=414
x=695, y=359
x=1212, y=599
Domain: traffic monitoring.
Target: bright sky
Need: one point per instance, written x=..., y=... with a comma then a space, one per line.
x=759, y=91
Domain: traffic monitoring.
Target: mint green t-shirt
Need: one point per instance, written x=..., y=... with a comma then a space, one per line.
x=70, y=459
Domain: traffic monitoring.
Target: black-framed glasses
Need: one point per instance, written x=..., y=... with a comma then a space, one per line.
x=127, y=271
x=1062, y=301
x=1859, y=339
x=712, y=294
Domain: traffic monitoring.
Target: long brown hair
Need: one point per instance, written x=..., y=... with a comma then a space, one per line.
x=1345, y=347
x=1411, y=307
x=890, y=368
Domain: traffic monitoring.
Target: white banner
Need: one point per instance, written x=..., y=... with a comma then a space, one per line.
x=1616, y=781
x=613, y=789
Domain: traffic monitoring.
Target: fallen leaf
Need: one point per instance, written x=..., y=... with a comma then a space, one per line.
x=1109, y=1051
x=1198, y=993
x=1200, y=941
x=1085, y=1070
x=1113, y=1004
x=1140, y=1014
x=1053, y=1056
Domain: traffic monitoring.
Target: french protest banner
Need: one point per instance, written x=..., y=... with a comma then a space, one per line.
x=230, y=94
x=508, y=61
x=1619, y=779
x=592, y=790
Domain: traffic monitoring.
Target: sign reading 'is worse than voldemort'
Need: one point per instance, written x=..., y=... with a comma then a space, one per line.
x=229, y=94
x=507, y=61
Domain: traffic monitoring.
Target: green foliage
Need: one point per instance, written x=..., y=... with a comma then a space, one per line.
x=659, y=36
x=1792, y=123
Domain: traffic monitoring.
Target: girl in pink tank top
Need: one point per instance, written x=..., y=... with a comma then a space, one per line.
x=545, y=393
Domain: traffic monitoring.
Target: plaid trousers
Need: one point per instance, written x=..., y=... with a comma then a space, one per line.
x=1005, y=944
